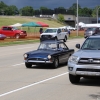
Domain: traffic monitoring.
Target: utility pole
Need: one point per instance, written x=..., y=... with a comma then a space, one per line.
x=77, y=19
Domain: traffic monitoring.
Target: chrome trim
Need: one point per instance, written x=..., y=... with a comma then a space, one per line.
x=34, y=61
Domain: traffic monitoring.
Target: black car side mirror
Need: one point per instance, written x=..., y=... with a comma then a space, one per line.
x=78, y=46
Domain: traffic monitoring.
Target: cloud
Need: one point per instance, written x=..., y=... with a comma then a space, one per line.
x=36, y=4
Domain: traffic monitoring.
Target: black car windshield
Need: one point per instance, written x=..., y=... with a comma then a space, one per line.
x=50, y=30
x=48, y=46
x=52, y=46
x=91, y=44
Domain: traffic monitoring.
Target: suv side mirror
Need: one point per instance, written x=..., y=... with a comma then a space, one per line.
x=78, y=46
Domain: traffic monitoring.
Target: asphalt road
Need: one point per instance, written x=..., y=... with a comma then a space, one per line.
x=40, y=83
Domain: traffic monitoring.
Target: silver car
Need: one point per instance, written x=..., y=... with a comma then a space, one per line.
x=86, y=61
x=91, y=31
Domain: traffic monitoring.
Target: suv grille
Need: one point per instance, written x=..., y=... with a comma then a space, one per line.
x=88, y=70
x=46, y=36
x=89, y=61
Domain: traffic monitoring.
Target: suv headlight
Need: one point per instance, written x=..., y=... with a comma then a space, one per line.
x=73, y=59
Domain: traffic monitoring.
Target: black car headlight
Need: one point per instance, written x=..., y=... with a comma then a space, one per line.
x=49, y=56
x=25, y=56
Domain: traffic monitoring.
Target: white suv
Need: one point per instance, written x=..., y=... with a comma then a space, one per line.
x=54, y=33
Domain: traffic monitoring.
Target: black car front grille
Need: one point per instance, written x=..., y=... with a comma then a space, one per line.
x=37, y=59
x=88, y=70
x=89, y=61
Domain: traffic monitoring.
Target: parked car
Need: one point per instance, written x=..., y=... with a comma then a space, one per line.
x=91, y=31
x=71, y=28
x=10, y=31
x=2, y=36
x=49, y=52
x=54, y=34
x=86, y=61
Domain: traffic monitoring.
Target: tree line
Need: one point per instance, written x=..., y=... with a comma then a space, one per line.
x=30, y=11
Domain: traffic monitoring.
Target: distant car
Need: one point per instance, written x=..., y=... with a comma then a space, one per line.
x=2, y=36
x=71, y=28
x=86, y=61
x=10, y=31
x=49, y=52
x=91, y=31
x=54, y=34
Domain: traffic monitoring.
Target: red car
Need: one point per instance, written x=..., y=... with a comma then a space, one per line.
x=12, y=32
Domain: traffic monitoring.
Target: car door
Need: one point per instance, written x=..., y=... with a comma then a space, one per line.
x=59, y=35
x=64, y=53
x=7, y=31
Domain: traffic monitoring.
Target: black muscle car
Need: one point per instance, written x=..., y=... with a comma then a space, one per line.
x=49, y=52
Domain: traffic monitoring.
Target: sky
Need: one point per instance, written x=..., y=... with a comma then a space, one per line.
x=51, y=4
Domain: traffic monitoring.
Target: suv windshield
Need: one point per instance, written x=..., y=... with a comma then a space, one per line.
x=50, y=30
x=91, y=44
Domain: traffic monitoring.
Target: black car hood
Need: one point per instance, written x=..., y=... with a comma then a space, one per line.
x=40, y=53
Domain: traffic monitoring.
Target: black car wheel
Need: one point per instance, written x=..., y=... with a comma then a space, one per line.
x=28, y=65
x=55, y=63
x=65, y=39
x=74, y=79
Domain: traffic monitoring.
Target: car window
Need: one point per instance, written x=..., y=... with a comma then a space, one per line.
x=92, y=43
x=62, y=46
x=50, y=46
x=5, y=28
x=59, y=30
x=50, y=30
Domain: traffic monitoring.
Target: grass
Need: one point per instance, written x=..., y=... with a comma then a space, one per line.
x=10, y=20
x=31, y=31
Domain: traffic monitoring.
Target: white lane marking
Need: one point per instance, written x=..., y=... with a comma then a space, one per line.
x=18, y=64
x=4, y=94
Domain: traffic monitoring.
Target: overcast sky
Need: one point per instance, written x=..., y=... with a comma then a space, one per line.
x=36, y=4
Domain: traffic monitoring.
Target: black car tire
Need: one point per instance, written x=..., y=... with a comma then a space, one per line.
x=28, y=65
x=65, y=39
x=55, y=63
x=74, y=79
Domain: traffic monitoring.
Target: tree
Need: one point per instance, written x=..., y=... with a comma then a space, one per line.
x=27, y=11
x=2, y=7
x=86, y=12
x=73, y=9
x=94, y=12
x=60, y=18
x=11, y=10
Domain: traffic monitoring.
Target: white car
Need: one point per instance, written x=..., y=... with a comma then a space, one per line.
x=54, y=33
x=71, y=28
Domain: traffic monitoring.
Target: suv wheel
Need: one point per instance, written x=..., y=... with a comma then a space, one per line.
x=74, y=79
x=28, y=65
x=65, y=39
x=56, y=38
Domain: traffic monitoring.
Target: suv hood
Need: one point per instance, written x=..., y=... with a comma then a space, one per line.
x=48, y=34
x=88, y=53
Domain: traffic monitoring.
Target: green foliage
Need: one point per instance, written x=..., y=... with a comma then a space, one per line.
x=94, y=12
x=60, y=18
x=27, y=11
